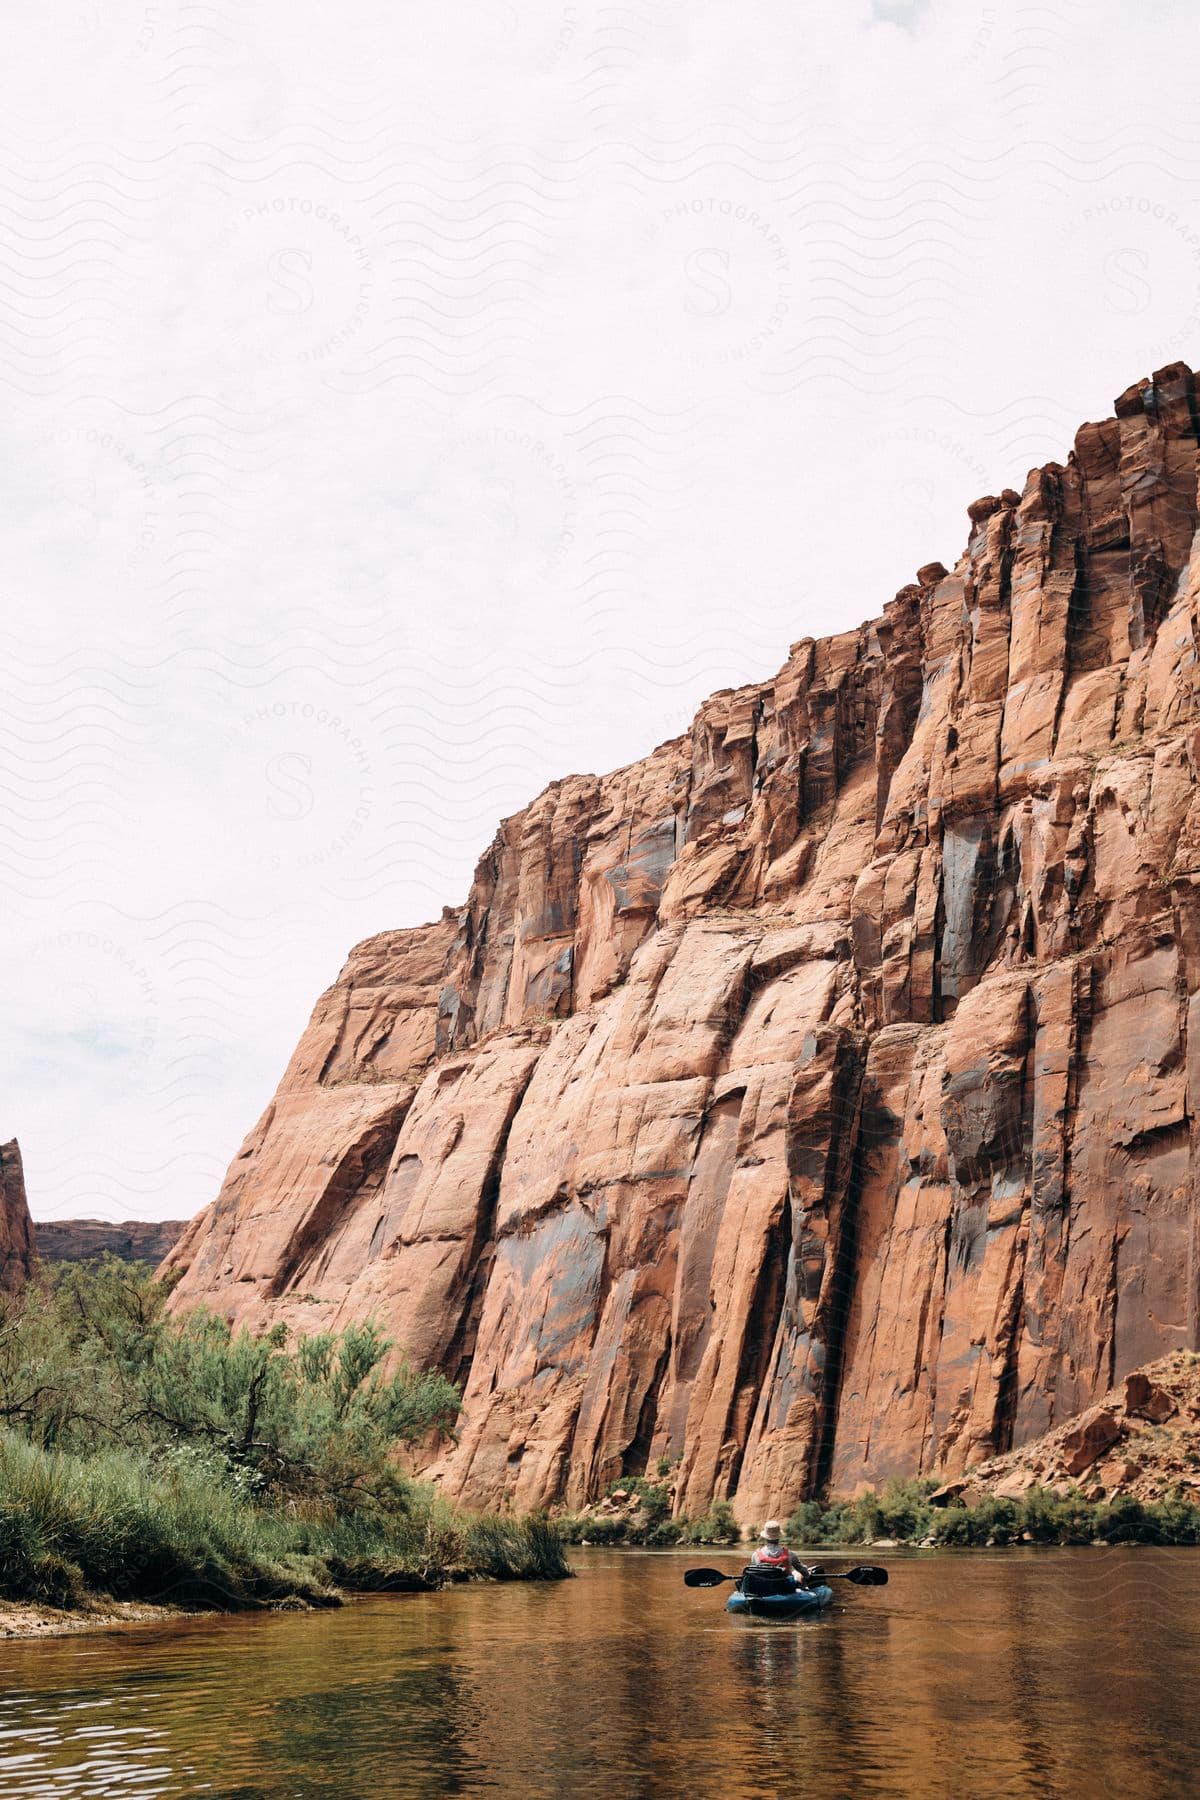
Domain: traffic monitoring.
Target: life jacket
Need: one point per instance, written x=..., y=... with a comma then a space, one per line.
x=772, y=1556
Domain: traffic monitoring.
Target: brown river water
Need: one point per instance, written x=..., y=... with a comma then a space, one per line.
x=1046, y=1673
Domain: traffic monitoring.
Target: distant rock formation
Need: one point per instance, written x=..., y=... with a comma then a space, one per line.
x=813, y=1100
x=68, y=1240
x=18, y=1251
x=133, y=1240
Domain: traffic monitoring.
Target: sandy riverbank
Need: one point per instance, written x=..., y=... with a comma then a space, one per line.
x=20, y=1619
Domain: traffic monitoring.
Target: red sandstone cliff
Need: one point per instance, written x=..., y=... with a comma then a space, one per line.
x=18, y=1251
x=814, y=1099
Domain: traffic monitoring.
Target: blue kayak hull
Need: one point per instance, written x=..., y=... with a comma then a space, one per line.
x=781, y=1606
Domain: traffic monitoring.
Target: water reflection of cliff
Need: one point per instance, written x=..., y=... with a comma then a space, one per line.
x=1041, y=1674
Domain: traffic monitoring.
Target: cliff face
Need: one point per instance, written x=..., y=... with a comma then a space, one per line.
x=18, y=1251
x=814, y=1100
x=81, y=1240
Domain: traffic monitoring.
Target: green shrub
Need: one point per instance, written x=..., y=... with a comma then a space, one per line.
x=145, y=1456
x=1123, y=1520
x=716, y=1526
x=992, y=1521
x=653, y=1508
x=805, y=1524
x=902, y=1511
x=90, y=1359
x=654, y=1505
x=602, y=1530
x=111, y=1525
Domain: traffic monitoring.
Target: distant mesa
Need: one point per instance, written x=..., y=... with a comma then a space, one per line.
x=132, y=1240
x=68, y=1240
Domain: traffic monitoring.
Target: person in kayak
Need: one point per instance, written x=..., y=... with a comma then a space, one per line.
x=773, y=1553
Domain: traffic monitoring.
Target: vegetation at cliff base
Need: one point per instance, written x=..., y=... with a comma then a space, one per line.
x=637, y=1511
x=901, y=1511
x=148, y=1457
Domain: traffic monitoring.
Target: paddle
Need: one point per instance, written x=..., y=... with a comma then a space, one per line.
x=865, y=1575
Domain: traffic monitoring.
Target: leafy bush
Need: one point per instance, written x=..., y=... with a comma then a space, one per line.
x=110, y=1525
x=717, y=1526
x=805, y=1524
x=143, y=1455
x=992, y=1521
x=654, y=1504
x=902, y=1511
x=317, y=1422
x=585, y=1528
x=91, y=1359
x=653, y=1497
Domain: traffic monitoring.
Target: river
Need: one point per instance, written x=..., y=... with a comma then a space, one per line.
x=1044, y=1673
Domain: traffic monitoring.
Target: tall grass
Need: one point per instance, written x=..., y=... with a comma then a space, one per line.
x=151, y=1457
x=108, y=1524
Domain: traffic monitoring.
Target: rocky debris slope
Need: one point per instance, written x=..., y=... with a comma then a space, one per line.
x=1142, y=1439
x=131, y=1240
x=18, y=1250
x=813, y=1100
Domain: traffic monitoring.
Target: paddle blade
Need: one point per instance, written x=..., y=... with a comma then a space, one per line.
x=867, y=1576
x=704, y=1578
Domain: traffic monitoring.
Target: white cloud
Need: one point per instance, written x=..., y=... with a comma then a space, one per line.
x=407, y=405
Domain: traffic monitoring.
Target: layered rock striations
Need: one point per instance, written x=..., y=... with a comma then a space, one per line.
x=86, y=1240
x=18, y=1249
x=814, y=1100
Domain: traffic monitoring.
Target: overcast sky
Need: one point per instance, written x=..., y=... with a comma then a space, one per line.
x=405, y=405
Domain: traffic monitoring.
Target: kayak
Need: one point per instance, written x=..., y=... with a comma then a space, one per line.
x=796, y=1605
